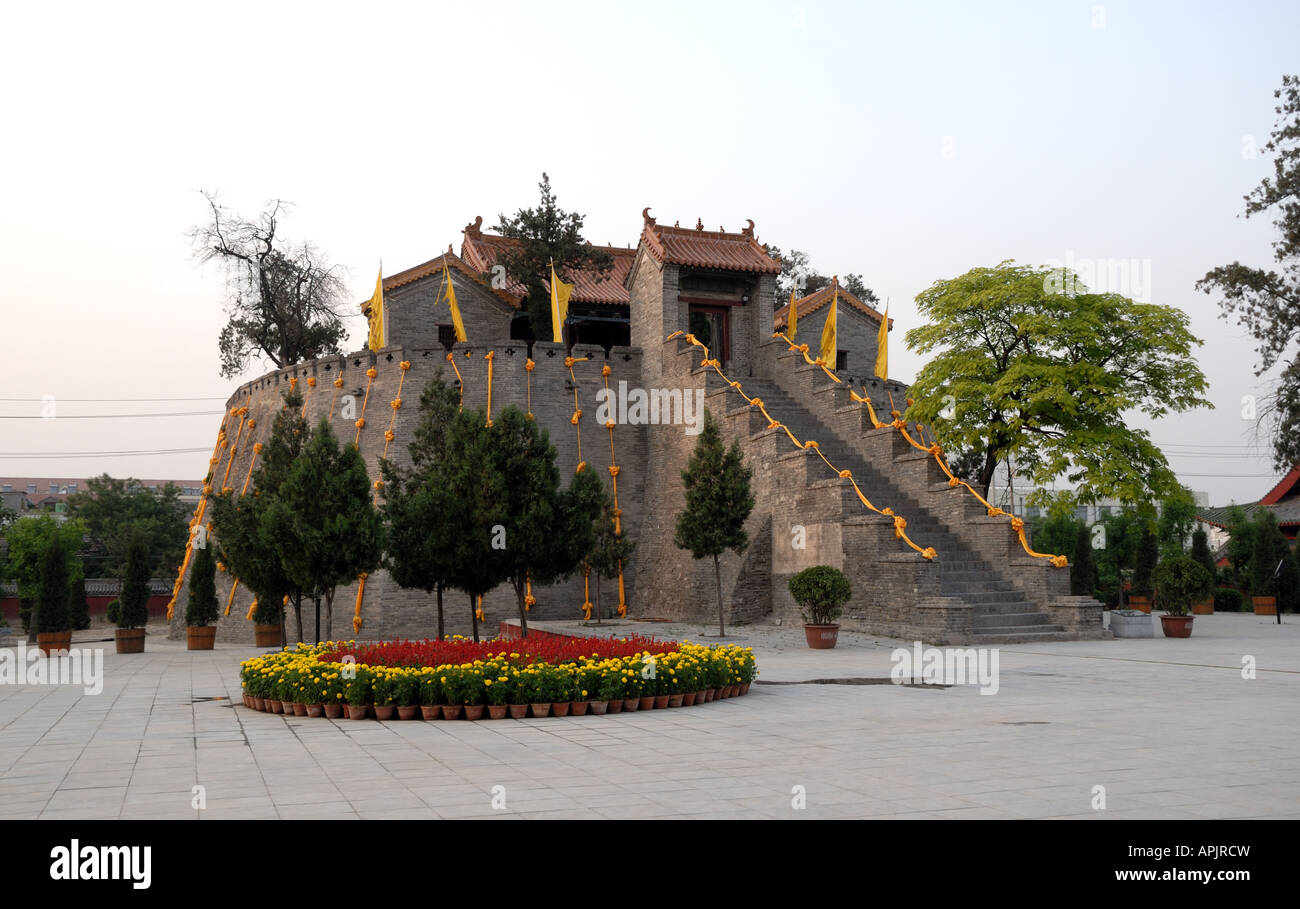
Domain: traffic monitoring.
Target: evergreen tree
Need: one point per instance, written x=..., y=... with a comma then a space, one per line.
x=202, y=608
x=1201, y=551
x=324, y=522
x=1270, y=549
x=610, y=547
x=78, y=607
x=1241, y=545
x=1148, y=553
x=416, y=503
x=1083, y=569
x=718, y=502
x=135, y=587
x=52, y=604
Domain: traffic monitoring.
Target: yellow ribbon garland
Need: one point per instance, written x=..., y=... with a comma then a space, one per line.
x=459, y=381
x=361, y=420
x=772, y=423
x=199, y=509
x=577, y=411
x=361, y=595
x=490, y=356
x=1017, y=525
x=605, y=372
x=529, y=366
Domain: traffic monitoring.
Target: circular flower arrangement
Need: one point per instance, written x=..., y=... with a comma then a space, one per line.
x=550, y=676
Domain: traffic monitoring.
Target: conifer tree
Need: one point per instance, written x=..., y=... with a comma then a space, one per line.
x=718, y=502
x=202, y=608
x=1083, y=568
x=78, y=607
x=52, y=604
x=134, y=599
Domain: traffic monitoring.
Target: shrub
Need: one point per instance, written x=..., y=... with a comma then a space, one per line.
x=52, y=613
x=1148, y=552
x=202, y=608
x=821, y=592
x=1226, y=599
x=1181, y=581
x=134, y=611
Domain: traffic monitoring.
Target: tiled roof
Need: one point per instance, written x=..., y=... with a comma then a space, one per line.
x=707, y=248
x=433, y=267
x=1286, y=489
x=1287, y=513
x=816, y=300
x=481, y=251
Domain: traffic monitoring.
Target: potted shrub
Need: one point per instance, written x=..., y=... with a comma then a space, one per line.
x=266, y=623
x=1142, y=588
x=132, y=614
x=1180, y=581
x=1201, y=553
x=53, y=618
x=1270, y=549
x=201, y=611
x=821, y=592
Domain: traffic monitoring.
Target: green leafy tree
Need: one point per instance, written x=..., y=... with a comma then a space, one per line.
x=202, y=608
x=416, y=503
x=798, y=274
x=1177, y=518
x=1123, y=529
x=1266, y=302
x=323, y=521
x=114, y=509
x=718, y=502
x=28, y=541
x=134, y=600
x=284, y=300
x=547, y=234
x=52, y=613
x=610, y=547
x=1027, y=366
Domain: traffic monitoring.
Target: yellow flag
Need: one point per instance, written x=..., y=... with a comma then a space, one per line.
x=456, y=323
x=792, y=318
x=559, y=306
x=376, y=318
x=882, y=348
x=828, y=331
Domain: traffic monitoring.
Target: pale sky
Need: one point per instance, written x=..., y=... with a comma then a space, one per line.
x=906, y=141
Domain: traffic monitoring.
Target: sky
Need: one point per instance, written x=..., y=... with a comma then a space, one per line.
x=909, y=142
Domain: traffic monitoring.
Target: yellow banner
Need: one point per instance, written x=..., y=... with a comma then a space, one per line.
x=793, y=318
x=456, y=323
x=882, y=348
x=828, y=332
x=559, y=306
x=376, y=317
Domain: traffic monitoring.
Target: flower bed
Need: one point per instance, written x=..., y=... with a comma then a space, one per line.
x=454, y=678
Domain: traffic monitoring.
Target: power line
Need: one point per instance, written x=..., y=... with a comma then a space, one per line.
x=105, y=400
x=49, y=455
x=112, y=416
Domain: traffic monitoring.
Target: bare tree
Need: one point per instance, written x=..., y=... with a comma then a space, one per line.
x=284, y=300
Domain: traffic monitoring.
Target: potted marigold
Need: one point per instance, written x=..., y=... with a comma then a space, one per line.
x=611, y=691
x=821, y=592
x=430, y=690
x=500, y=690
x=1179, y=582
x=356, y=691
x=449, y=677
x=332, y=687
x=406, y=694
x=384, y=687
x=475, y=693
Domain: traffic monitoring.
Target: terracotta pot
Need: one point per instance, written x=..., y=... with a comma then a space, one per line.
x=473, y=711
x=541, y=711
x=333, y=711
x=647, y=702
x=266, y=635
x=129, y=640
x=731, y=690
x=631, y=704
x=270, y=705
x=1205, y=607
x=744, y=689
x=384, y=713
x=259, y=704
x=315, y=710
x=675, y=700
x=710, y=694
x=821, y=637
x=451, y=711
x=431, y=711
x=1176, y=626
x=299, y=709
x=577, y=708
x=560, y=708
x=615, y=706
x=1140, y=603
x=660, y=701
x=498, y=711
x=598, y=708
x=200, y=637
x=518, y=711
x=1264, y=605
x=358, y=711
x=688, y=700
x=408, y=711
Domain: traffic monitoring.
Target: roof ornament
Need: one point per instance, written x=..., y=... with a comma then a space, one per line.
x=449, y=250
x=748, y=231
x=699, y=224
x=645, y=215
x=476, y=227
x=721, y=229
x=677, y=223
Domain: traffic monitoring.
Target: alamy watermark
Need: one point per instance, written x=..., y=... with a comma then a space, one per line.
x=654, y=406
x=29, y=666
x=947, y=666
x=1127, y=277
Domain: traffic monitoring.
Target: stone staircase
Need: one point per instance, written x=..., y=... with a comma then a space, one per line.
x=980, y=589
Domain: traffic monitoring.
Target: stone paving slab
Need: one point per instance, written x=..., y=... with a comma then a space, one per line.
x=1168, y=727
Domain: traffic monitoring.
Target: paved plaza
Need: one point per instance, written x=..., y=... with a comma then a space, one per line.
x=1169, y=728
